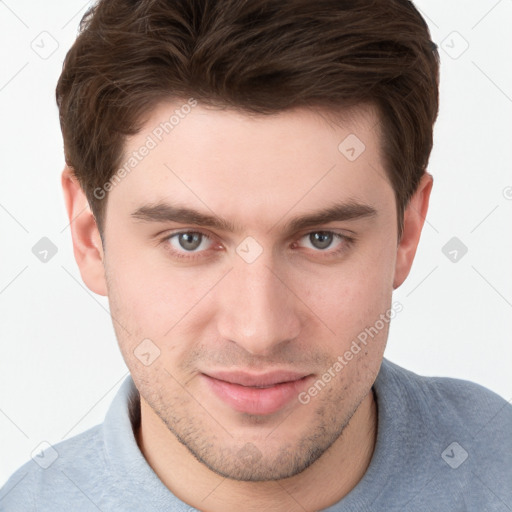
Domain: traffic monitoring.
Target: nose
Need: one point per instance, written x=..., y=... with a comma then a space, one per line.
x=257, y=308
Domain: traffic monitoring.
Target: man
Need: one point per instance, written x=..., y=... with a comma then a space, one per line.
x=247, y=183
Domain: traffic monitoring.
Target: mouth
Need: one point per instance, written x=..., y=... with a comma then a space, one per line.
x=259, y=394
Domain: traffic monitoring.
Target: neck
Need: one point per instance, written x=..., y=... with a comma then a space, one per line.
x=321, y=485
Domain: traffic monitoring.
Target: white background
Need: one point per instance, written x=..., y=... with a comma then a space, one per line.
x=59, y=363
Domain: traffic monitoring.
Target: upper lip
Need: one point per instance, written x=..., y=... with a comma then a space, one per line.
x=256, y=379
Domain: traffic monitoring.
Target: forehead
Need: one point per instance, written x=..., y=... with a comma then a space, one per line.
x=252, y=167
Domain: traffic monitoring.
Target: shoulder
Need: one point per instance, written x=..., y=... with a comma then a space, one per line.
x=455, y=438
x=442, y=442
x=54, y=477
x=449, y=402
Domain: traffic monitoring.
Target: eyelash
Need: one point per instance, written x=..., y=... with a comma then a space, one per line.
x=347, y=242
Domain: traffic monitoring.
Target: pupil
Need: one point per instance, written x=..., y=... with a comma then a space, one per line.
x=190, y=241
x=321, y=240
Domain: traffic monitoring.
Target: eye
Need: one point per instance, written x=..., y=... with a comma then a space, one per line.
x=321, y=240
x=188, y=241
x=191, y=244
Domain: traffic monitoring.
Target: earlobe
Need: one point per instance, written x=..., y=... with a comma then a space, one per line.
x=414, y=218
x=87, y=244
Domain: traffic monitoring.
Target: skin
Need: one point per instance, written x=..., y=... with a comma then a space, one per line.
x=296, y=307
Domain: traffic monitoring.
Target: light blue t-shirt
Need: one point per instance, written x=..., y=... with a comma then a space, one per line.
x=442, y=445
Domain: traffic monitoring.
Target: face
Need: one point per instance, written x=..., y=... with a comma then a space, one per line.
x=228, y=317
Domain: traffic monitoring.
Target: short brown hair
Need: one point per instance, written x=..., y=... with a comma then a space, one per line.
x=257, y=56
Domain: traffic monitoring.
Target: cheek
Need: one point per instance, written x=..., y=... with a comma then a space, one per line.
x=352, y=295
x=150, y=292
x=142, y=313
x=152, y=299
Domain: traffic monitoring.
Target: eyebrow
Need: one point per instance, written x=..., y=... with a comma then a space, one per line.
x=165, y=212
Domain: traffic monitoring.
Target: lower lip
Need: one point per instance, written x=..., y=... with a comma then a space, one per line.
x=252, y=400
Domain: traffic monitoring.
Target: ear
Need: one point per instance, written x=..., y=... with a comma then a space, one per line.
x=414, y=218
x=87, y=244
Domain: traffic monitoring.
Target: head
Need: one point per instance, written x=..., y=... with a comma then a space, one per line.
x=248, y=185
